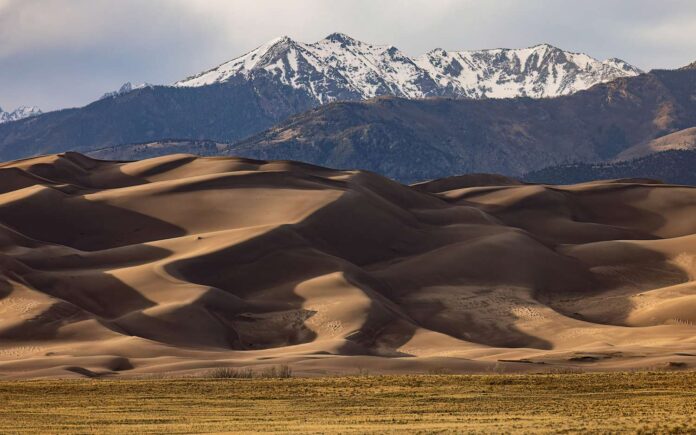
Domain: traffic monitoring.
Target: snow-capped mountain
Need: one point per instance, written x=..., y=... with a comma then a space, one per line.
x=19, y=113
x=124, y=89
x=339, y=67
x=539, y=71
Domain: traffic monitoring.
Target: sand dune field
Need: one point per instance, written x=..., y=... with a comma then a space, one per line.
x=179, y=264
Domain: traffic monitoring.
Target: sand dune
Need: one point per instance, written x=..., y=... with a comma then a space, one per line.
x=178, y=264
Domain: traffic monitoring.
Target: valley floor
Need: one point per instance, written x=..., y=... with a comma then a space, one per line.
x=600, y=402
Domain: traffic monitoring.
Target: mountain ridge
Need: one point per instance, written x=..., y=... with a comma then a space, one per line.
x=224, y=112
x=355, y=68
x=124, y=89
x=20, y=112
x=414, y=140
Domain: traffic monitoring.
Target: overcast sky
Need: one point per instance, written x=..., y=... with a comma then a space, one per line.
x=65, y=53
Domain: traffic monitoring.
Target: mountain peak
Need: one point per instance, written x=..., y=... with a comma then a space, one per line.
x=340, y=38
x=692, y=65
x=280, y=40
x=267, y=52
x=124, y=89
x=274, y=45
x=20, y=112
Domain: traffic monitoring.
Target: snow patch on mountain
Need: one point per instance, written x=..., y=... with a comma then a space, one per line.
x=124, y=89
x=340, y=67
x=19, y=113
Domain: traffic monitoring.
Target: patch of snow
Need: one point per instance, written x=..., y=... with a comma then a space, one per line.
x=19, y=113
x=124, y=89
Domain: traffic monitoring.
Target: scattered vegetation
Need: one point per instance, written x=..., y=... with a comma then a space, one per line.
x=230, y=373
x=280, y=372
x=656, y=402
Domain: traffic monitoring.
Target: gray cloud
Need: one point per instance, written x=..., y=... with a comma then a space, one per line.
x=61, y=53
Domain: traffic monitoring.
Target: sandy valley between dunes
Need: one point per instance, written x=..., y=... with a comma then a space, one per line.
x=179, y=264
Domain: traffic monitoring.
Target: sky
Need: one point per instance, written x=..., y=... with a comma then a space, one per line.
x=67, y=53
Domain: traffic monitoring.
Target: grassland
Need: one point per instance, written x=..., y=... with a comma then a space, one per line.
x=618, y=402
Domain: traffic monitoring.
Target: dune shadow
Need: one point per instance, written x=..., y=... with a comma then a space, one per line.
x=593, y=221
x=259, y=275
x=629, y=271
x=556, y=216
x=464, y=316
x=385, y=329
x=263, y=273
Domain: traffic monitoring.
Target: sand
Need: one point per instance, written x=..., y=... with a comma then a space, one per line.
x=179, y=264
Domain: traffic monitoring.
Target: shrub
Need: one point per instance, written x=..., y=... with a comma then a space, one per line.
x=230, y=373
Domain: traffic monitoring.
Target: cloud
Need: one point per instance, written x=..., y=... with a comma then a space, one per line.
x=57, y=53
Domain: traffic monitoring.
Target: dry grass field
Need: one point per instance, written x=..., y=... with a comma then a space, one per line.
x=607, y=402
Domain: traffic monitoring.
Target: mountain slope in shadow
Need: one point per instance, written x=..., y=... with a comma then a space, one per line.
x=415, y=140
